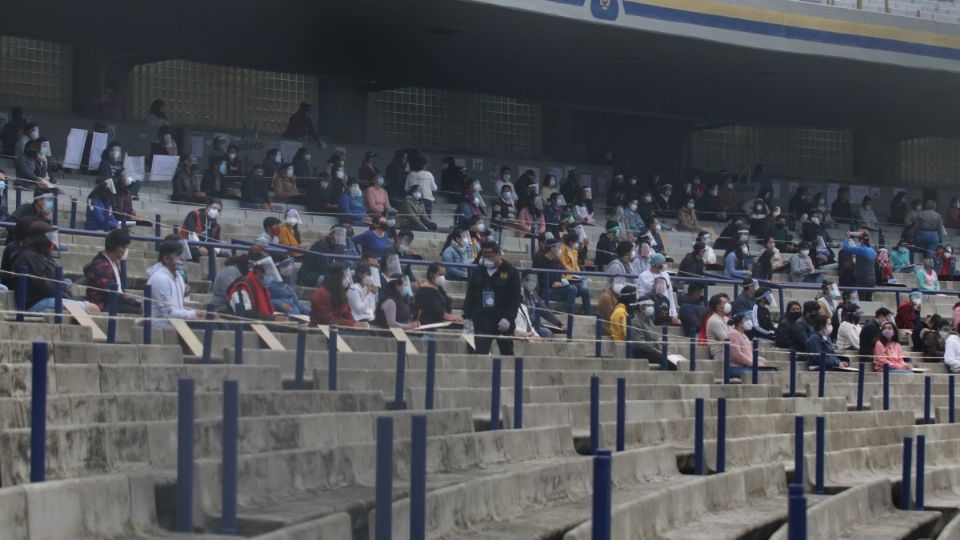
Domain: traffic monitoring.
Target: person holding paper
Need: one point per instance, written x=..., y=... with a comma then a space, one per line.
x=164, y=144
x=111, y=163
x=202, y=225
x=185, y=188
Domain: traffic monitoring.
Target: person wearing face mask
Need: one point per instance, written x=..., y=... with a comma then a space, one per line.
x=803, y=327
x=727, y=199
x=900, y=257
x=763, y=327
x=301, y=164
x=715, y=331
x=99, y=215
x=870, y=332
x=531, y=220
x=535, y=319
x=828, y=297
x=553, y=213
x=737, y=263
x=285, y=186
x=202, y=225
x=364, y=293
x=31, y=132
x=314, y=266
x=248, y=297
x=35, y=261
x=927, y=279
x=413, y=214
x=323, y=196
x=504, y=214
x=420, y=175
x=431, y=302
x=290, y=232
x=951, y=353
x=376, y=241
x=866, y=217
x=457, y=250
x=168, y=288
x=491, y=303
x=375, y=197
x=760, y=218
x=472, y=206
x=32, y=173
x=819, y=347
x=233, y=269
x=884, y=268
x=111, y=162
x=607, y=245
x=783, y=337
x=583, y=209
x=164, y=144
x=235, y=166
x=661, y=303
x=41, y=208
x=692, y=309
x=802, y=269
x=185, y=187
x=648, y=284
x=254, y=192
x=329, y=303
x=888, y=352
x=848, y=335
x=624, y=307
x=505, y=179
x=570, y=256
x=741, y=347
x=282, y=295
x=351, y=205
x=687, y=217
x=629, y=218
x=271, y=162
x=102, y=274
x=214, y=182
x=548, y=186
x=744, y=302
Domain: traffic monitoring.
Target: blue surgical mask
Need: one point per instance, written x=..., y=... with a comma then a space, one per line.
x=391, y=223
x=223, y=167
x=48, y=205
x=406, y=291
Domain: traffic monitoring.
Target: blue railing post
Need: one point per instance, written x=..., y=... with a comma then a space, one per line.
x=147, y=313
x=822, y=376
x=921, y=476
x=598, y=339
x=907, y=469
x=418, y=477
x=927, y=390
x=796, y=513
x=431, y=373
x=621, y=413
x=38, y=413
x=698, y=453
x=886, y=387
x=726, y=363
x=798, y=477
x=495, y=395
x=755, y=368
x=333, y=357
x=157, y=232
x=208, y=335
x=238, y=343
x=693, y=353
x=58, y=295
x=185, y=416
x=230, y=432
x=602, y=471
x=73, y=213
x=721, y=435
x=664, y=348
x=112, y=300
x=821, y=448
x=951, y=399
x=594, y=414
x=793, y=372
x=517, y=392
x=21, y=292
x=384, y=479
x=398, y=381
x=861, y=370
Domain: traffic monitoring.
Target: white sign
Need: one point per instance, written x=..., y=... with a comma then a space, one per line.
x=76, y=140
x=134, y=165
x=97, y=146
x=163, y=167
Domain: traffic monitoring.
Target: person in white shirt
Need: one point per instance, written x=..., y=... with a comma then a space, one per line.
x=506, y=179
x=420, y=175
x=951, y=353
x=362, y=293
x=646, y=281
x=848, y=335
x=167, y=287
x=709, y=256
x=717, y=330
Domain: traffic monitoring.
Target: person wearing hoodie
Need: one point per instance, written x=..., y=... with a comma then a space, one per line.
x=271, y=162
x=100, y=208
x=351, y=204
x=301, y=164
x=782, y=338
x=167, y=287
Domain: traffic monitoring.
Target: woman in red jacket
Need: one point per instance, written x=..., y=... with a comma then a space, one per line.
x=329, y=303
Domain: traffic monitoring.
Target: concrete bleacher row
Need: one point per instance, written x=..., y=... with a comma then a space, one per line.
x=934, y=10
x=306, y=456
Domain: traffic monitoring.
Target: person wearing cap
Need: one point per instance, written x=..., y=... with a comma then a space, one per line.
x=492, y=301
x=40, y=208
x=102, y=274
x=607, y=244
x=647, y=281
x=248, y=296
x=300, y=125
x=35, y=261
x=168, y=288
x=289, y=234
x=375, y=196
x=763, y=326
x=420, y=175
x=692, y=263
x=202, y=225
x=185, y=187
x=741, y=347
x=744, y=302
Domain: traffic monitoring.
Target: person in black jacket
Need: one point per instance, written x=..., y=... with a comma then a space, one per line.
x=492, y=300
x=35, y=262
x=607, y=245
x=803, y=327
x=691, y=309
x=692, y=263
x=870, y=332
x=781, y=338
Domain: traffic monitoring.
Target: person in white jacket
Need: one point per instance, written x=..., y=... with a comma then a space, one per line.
x=951, y=353
x=362, y=294
x=167, y=287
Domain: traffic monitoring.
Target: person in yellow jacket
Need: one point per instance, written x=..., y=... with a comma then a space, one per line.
x=619, y=320
x=290, y=232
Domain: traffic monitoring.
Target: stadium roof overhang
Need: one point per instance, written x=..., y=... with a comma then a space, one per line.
x=477, y=46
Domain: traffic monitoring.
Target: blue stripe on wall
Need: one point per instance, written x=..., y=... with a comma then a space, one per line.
x=783, y=31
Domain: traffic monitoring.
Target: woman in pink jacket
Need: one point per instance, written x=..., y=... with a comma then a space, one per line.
x=741, y=348
x=887, y=351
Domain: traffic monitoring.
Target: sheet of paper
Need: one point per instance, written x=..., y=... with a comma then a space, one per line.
x=134, y=165
x=434, y=325
x=76, y=140
x=196, y=146
x=163, y=167
x=97, y=146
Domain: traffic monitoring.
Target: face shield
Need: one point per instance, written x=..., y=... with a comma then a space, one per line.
x=269, y=268
x=53, y=237
x=373, y=280
x=393, y=265
x=339, y=236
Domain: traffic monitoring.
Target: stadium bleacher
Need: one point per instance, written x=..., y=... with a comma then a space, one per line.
x=307, y=457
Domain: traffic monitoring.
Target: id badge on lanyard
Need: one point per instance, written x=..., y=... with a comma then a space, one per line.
x=488, y=301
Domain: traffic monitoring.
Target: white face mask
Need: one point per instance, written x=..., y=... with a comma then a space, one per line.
x=278, y=158
x=417, y=195
x=507, y=177
x=648, y=310
x=167, y=140
x=481, y=227
x=346, y=281
x=355, y=191
x=232, y=155
x=815, y=220
x=441, y=281
x=828, y=330
x=115, y=155
x=745, y=250
x=804, y=252
x=727, y=308
x=647, y=198
x=489, y=264
x=289, y=171
x=656, y=227
x=213, y=213
x=633, y=207
x=690, y=205
x=110, y=187
x=126, y=252
x=747, y=325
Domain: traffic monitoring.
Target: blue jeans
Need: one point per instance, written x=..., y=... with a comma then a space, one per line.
x=928, y=241
x=570, y=293
x=49, y=304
